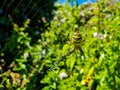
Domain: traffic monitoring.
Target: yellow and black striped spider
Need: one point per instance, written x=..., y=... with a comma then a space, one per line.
x=77, y=41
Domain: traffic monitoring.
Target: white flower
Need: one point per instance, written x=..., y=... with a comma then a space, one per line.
x=26, y=55
x=55, y=18
x=107, y=16
x=63, y=75
x=95, y=34
x=43, y=52
x=115, y=1
x=101, y=36
x=63, y=20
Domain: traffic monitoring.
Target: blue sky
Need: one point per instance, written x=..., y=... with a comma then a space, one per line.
x=79, y=1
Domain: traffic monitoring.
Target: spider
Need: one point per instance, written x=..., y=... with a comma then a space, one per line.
x=77, y=41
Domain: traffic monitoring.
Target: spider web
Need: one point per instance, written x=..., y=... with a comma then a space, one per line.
x=8, y=18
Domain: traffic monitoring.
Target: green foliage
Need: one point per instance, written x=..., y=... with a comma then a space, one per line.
x=54, y=63
x=99, y=25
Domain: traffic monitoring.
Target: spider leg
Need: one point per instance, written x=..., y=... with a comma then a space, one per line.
x=82, y=51
x=64, y=56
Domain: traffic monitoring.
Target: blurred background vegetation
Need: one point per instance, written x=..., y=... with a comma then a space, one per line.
x=36, y=49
